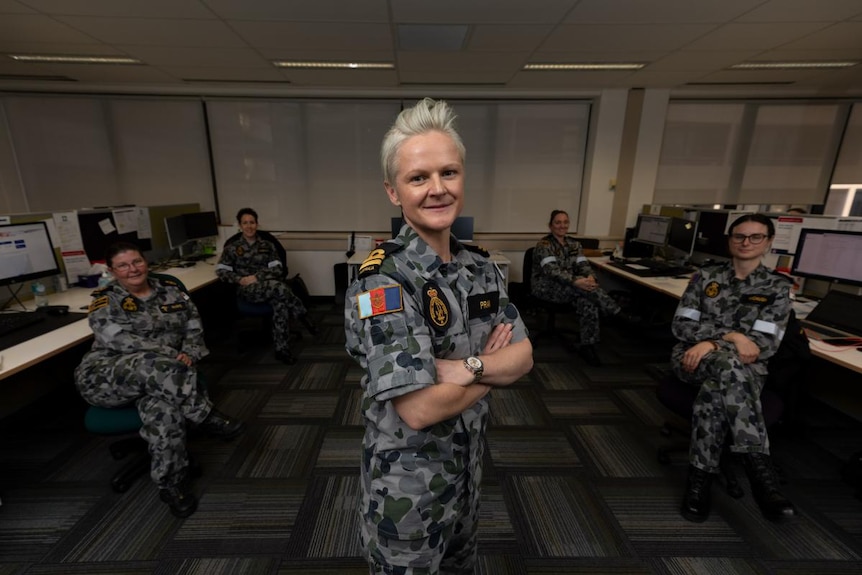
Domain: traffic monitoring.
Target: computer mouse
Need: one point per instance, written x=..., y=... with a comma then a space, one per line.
x=58, y=310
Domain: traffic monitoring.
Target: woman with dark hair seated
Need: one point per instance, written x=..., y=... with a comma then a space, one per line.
x=562, y=274
x=730, y=321
x=253, y=263
x=148, y=340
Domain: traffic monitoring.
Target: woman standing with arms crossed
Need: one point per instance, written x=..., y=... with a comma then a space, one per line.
x=431, y=324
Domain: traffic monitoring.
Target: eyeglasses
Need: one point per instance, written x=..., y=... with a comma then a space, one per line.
x=753, y=239
x=124, y=267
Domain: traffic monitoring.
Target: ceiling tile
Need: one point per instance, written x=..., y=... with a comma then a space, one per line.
x=508, y=38
x=435, y=37
x=847, y=35
x=326, y=55
x=482, y=11
x=13, y=7
x=462, y=62
x=754, y=36
x=313, y=36
x=419, y=78
x=319, y=10
x=590, y=56
x=703, y=61
x=196, y=56
x=662, y=12
x=36, y=28
x=624, y=38
x=346, y=78
x=567, y=80
x=155, y=31
x=803, y=11
x=123, y=9
x=270, y=74
x=53, y=48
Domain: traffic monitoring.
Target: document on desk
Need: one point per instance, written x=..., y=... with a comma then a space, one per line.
x=636, y=267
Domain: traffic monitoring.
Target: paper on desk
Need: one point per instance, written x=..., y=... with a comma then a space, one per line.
x=636, y=267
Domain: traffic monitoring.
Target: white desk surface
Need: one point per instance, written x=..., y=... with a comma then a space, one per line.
x=846, y=357
x=21, y=356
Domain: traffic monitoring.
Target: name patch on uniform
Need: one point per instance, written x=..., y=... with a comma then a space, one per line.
x=173, y=307
x=480, y=305
x=759, y=299
x=129, y=304
x=436, y=307
x=712, y=289
x=378, y=301
x=98, y=303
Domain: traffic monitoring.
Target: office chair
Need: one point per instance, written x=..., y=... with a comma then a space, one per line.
x=550, y=309
x=679, y=397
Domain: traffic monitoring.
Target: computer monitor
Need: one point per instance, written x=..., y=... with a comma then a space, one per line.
x=191, y=226
x=100, y=230
x=26, y=253
x=175, y=226
x=681, y=236
x=462, y=227
x=652, y=229
x=711, y=238
x=831, y=255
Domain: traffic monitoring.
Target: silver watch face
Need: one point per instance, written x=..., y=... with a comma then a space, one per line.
x=475, y=363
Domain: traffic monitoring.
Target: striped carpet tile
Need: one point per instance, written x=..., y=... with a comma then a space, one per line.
x=530, y=449
x=560, y=517
x=495, y=525
x=316, y=375
x=712, y=565
x=617, y=451
x=299, y=406
x=279, y=451
x=643, y=403
x=558, y=377
x=581, y=404
x=220, y=566
x=336, y=525
x=351, y=413
x=257, y=374
x=102, y=568
x=342, y=448
x=515, y=406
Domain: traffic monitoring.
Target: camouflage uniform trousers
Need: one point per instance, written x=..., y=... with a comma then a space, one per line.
x=587, y=306
x=452, y=551
x=166, y=393
x=727, y=407
x=284, y=304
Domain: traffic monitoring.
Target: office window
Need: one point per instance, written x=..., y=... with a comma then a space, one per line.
x=697, y=154
x=791, y=154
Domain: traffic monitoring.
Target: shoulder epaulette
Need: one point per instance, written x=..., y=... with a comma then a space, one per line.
x=98, y=303
x=102, y=290
x=372, y=263
x=169, y=282
x=476, y=250
x=783, y=276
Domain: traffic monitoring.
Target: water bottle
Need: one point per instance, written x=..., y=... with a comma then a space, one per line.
x=104, y=279
x=40, y=295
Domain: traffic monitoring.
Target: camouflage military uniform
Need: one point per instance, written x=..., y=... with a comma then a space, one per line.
x=421, y=488
x=555, y=268
x=714, y=304
x=134, y=359
x=240, y=259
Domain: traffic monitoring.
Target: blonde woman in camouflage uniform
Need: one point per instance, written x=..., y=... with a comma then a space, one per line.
x=431, y=324
x=148, y=339
x=729, y=322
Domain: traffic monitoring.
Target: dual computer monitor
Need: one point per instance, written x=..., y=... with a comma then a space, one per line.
x=676, y=234
x=462, y=227
x=190, y=227
x=26, y=253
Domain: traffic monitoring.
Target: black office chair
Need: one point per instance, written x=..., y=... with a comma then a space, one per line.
x=549, y=308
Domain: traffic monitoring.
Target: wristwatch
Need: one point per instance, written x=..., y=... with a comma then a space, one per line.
x=474, y=365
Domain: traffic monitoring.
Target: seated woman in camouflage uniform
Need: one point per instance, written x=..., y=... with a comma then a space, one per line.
x=562, y=274
x=252, y=262
x=148, y=338
x=431, y=324
x=729, y=322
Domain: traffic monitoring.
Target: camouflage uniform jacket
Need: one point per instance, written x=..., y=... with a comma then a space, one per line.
x=240, y=258
x=166, y=323
x=716, y=303
x=555, y=264
x=415, y=482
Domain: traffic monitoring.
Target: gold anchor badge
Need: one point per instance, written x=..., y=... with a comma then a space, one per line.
x=437, y=310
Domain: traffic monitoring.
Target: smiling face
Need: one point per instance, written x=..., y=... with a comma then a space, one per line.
x=248, y=225
x=746, y=250
x=559, y=226
x=130, y=269
x=429, y=184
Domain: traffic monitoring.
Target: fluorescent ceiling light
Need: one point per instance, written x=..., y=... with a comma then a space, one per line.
x=587, y=66
x=793, y=65
x=336, y=65
x=47, y=58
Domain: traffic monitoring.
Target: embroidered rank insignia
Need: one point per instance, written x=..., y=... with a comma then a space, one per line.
x=173, y=307
x=386, y=299
x=759, y=299
x=129, y=304
x=712, y=288
x=372, y=263
x=239, y=250
x=483, y=304
x=436, y=307
x=98, y=303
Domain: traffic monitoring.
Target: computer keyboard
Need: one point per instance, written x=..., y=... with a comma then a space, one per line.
x=13, y=321
x=651, y=267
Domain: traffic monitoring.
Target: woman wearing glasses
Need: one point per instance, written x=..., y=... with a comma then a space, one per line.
x=729, y=322
x=148, y=338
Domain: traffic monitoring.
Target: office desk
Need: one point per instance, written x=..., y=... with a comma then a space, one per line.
x=675, y=287
x=356, y=260
x=29, y=353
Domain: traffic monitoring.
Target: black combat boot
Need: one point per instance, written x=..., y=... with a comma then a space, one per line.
x=220, y=425
x=764, y=487
x=588, y=352
x=697, y=496
x=178, y=495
